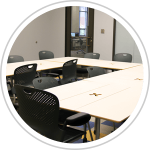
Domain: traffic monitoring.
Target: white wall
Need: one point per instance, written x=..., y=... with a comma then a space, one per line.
x=136, y=53
x=124, y=43
x=49, y=32
x=103, y=42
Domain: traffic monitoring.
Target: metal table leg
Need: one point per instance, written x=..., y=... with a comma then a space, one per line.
x=97, y=128
x=114, y=126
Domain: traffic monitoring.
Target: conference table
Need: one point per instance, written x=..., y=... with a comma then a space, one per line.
x=112, y=96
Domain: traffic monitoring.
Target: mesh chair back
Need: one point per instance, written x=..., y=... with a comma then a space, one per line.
x=24, y=75
x=123, y=57
x=44, y=83
x=15, y=58
x=69, y=70
x=40, y=110
x=95, y=71
x=92, y=55
x=45, y=55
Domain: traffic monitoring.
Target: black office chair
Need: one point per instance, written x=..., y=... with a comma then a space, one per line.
x=12, y=59
x=24, y=75
x=92, y=55
x=15, y=58
x=123, y=57
x=49, y=82
x=95, y=71
x=40, y=110
x=83, y=70
x=44, y=54
x=81, y=46
x=68, y=72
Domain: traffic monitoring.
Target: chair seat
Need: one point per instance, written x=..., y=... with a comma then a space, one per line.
x=82, y=70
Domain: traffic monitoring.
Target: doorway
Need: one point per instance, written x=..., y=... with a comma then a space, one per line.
x=79, y=31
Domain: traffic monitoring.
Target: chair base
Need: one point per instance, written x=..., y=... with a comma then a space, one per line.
x=72, y=134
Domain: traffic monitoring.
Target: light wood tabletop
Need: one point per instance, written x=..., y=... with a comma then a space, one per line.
x=116, y=107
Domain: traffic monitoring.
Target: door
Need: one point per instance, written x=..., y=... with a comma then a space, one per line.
x=79, y=31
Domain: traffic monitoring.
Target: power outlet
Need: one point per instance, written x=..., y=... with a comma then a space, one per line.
x=102, y=31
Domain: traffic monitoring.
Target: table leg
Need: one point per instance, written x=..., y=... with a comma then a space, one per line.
x=97, y=128
x=114, y=126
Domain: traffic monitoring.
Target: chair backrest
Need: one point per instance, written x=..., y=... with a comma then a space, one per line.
x=44, y=83
x=123, y=57
x=69, y=70
x=92, y=55
x=24, y=75
x=95, y=71
x=40, y=110
x=15, y=58
x=81, y=41
x=45, y=55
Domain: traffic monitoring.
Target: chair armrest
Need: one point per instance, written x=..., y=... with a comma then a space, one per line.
x=78, y=119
